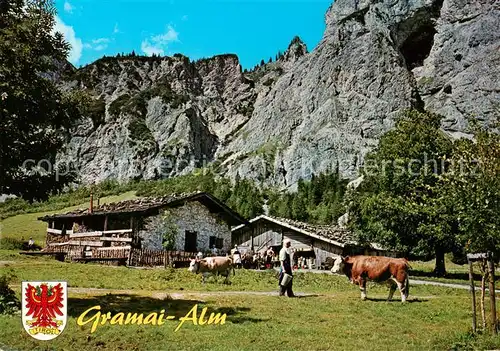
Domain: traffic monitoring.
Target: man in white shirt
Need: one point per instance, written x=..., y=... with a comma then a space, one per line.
x=237, y=257
x=31, y=243
x=286, y=267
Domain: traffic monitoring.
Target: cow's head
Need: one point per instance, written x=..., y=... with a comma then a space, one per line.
x=194, y=266
x=338, y=265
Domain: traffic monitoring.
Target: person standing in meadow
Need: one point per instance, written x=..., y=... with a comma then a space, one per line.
x=286, y=268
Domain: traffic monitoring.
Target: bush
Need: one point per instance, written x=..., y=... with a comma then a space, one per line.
x=97, y=111
x=11, y=244
x=15, y=244
x=116, y=106
x=9, y=304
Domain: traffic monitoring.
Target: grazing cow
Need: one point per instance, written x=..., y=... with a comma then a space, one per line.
x=379, y=269
x=212, y=265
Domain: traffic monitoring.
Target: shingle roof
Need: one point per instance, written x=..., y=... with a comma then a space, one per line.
x=136, y=205
x=329, y=233
x=149, y=204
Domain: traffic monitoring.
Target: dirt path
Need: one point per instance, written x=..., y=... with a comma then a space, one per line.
x=179, y=295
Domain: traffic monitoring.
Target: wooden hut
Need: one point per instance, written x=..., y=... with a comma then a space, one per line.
x=198, y=222
x=317, y=242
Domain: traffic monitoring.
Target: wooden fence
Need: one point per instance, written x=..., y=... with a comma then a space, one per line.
x=124, y=254
x=152, y=258
x=69, y=250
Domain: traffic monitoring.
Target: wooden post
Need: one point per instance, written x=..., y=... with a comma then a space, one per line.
x=105, y=223
x=251, y=236
x=473, y=292
x=129, y=260
x=132, y=224
x=491, y=268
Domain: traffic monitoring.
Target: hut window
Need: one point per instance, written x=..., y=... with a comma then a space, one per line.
x=219, y=243
x=212, y=241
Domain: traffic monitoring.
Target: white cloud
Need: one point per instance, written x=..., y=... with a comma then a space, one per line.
x=100, y=47
x=149, y=49
x=68, y=7
x=100, y=41
x=116, y=30
x=159, y=43
x=98, y=44
x=69, y=35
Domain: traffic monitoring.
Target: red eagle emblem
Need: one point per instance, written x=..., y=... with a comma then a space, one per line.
x=44, y=303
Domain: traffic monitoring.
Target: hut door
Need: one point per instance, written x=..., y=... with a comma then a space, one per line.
x=190, y=241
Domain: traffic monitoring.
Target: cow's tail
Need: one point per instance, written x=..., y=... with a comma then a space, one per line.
x=407, y=281
x=407, y=286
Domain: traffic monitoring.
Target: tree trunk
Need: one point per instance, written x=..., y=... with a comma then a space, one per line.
x=440, y=269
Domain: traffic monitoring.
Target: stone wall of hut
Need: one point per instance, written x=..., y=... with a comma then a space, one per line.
x=193, y=216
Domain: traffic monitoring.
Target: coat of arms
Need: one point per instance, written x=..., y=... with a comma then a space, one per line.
x=44, y=308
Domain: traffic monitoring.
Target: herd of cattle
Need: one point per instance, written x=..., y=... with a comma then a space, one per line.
x=359, y=270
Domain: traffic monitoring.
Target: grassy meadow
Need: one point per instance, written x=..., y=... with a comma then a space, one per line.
x=27, y=225
x=330, y=316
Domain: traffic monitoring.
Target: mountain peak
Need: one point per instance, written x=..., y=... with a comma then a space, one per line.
x=296, y=49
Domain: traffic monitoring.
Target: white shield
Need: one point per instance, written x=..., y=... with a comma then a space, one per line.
x=44, y=308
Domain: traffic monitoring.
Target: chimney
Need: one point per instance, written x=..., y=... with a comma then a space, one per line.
x=91, y=208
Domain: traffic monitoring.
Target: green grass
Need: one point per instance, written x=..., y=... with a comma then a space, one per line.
x=455, y=273
x=26, y=225
x=16, y=206
x=435, y=318
x=428, y=266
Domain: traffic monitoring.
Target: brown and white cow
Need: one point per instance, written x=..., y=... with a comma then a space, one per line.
x=379, y=269
x=212, y=265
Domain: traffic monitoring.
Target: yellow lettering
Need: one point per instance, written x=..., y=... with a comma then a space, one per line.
x=202, y=315
x=117, y=318
x=134, y=319
x=160, y=319
x=217, y=319
x=105, y=318
x=185, y=318
x=151, y=318
x=80, y=321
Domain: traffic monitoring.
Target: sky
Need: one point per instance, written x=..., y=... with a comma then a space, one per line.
x=252, y=29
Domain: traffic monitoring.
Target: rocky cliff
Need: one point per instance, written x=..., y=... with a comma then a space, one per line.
x=306, y=112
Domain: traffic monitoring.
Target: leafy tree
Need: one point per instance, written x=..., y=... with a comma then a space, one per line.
x=170, y=231
x=34, y=113
x=400, y=203
x=9, y=303
x=473, y=186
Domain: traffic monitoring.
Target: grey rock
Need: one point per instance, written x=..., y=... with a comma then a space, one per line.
x=306, y=113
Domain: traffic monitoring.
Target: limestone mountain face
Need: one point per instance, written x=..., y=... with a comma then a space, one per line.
x=305, y=113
